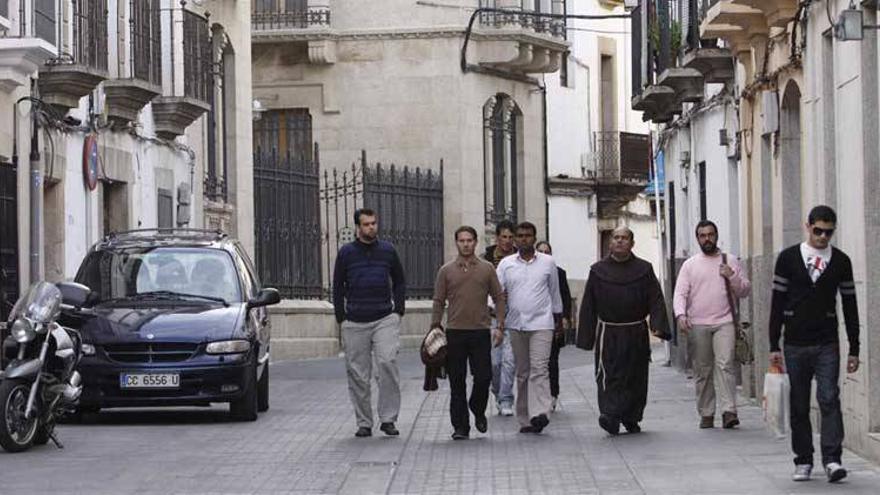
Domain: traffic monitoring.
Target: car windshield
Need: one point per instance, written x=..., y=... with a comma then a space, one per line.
x=161, y=272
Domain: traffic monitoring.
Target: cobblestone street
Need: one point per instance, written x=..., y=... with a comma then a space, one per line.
x=305, y=444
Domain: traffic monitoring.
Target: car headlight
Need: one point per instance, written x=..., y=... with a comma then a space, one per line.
x=88, y=350
x=228, y=347
x=23, y=330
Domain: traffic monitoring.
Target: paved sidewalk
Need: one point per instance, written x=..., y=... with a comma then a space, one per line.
x=305, y=444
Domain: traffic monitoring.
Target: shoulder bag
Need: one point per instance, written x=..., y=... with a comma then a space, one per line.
x=743, y=351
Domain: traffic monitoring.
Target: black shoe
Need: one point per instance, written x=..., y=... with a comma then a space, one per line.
x=481, y=423
x=528, y=429
x=363, y=431
x=389, y=429
x=539, y=422
x=460, y=435
x=632, y=427
x=609, y=425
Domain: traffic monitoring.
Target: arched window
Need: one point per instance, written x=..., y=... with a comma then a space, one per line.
x=502, y=127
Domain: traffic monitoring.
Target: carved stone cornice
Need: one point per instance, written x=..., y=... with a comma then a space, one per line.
x=20, y=58
x=126, y=97
x=579, y=187
x=478, y=34
x=173, y=114
x=62, y=85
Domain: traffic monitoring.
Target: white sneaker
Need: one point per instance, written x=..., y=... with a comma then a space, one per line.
x=835, y=472
x=553, y=404
x=506, y=411
x=802, y=472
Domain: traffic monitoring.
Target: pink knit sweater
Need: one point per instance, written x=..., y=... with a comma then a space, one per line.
x=700, y=292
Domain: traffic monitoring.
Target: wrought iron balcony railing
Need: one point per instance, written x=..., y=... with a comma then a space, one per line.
x=621, y=157
x=196, y=56
x=90, y=33
x=521, y=16
x=146, y=41
x=274, y=15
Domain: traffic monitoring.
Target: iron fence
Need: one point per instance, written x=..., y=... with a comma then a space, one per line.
x=409, y=202
x=287, y=223
x=146, y=41
x=196, y=56
x=621, y=157
x=271, y=15
x=9, y=239
x=90, y=33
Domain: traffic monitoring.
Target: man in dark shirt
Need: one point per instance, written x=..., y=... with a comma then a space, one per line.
x=806, y=281
x=503, y=366
x=559, y=337
x=369, y=297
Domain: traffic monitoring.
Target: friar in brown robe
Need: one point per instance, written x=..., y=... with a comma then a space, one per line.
x=622, y=301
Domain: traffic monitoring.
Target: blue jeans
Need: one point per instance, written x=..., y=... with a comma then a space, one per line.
x=503, y=371
x=803, y=364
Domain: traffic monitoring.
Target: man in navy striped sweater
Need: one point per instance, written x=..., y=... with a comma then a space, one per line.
x=369, y=297
x=807, y=278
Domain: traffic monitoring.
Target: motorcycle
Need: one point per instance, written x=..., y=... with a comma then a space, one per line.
x=40, y=382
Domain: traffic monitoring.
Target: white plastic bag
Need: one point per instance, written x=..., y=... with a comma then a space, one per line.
x=776, y=401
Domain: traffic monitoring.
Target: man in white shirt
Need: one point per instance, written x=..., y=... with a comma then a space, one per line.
x=534, y=312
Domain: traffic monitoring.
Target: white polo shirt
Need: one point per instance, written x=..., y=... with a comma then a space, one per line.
x=532, y=289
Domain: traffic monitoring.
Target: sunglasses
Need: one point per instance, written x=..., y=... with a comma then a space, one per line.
x=819, y=232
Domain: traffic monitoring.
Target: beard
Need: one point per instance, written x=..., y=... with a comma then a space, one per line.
x=709, y=247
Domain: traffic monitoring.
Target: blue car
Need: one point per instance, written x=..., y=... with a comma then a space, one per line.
x=175, y=317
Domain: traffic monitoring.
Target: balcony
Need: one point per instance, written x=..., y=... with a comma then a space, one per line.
x=66, y=79
x=621, y=166
x=777, y=13
x=140, y=79
x=296, y=21
x=27, y=40
x=515, y=40
x=739, y=25
x=186, y=75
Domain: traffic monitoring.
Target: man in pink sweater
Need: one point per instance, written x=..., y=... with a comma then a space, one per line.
x=702, y=310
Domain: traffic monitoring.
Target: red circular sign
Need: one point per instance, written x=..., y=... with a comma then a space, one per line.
x=90, y=161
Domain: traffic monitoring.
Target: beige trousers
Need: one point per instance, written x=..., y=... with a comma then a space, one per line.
x=712, y=352
x=531, y=353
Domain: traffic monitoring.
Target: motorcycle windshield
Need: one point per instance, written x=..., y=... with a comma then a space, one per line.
x=41, y=303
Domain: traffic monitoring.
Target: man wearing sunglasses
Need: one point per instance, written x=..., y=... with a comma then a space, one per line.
x=807, y=279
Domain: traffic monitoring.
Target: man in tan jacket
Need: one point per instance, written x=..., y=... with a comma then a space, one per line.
x=465, y=283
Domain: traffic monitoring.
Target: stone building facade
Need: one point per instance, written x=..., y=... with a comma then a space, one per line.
x=803, y=79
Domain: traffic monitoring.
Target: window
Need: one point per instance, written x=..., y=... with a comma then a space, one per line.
x=284, y=132
x=166, y=209
x=502, y=156
x=146, y=41
x=219, y=99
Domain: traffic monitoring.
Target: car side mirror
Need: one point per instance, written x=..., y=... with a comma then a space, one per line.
x=266, y=297
x=73, y=294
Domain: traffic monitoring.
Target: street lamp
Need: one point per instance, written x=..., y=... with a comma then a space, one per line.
x=849, y=24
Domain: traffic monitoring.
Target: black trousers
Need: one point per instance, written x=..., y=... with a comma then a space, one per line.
x=558, y=343
x=804, y=363
x=463, y=347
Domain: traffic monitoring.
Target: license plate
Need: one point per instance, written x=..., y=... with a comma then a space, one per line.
x=149, y=380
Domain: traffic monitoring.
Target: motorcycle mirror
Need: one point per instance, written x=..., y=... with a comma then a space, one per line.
x=73, y=294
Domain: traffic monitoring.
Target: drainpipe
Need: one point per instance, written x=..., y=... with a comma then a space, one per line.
x=36, y=201
x=546, y=159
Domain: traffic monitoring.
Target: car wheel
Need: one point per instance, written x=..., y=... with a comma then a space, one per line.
x=263, y=391
x=245, y=409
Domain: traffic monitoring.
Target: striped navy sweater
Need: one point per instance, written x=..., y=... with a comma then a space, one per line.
x=808, y=309
x=367, y=279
